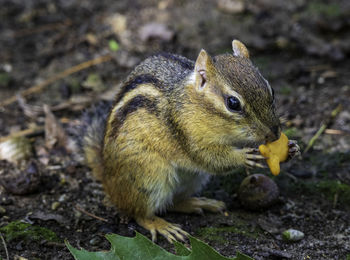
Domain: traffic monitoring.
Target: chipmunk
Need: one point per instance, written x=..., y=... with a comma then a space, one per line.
x=173, y=124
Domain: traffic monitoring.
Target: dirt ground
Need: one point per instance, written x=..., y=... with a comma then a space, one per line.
x=302, y=47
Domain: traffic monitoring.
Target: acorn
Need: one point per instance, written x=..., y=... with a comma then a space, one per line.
x=258, y=191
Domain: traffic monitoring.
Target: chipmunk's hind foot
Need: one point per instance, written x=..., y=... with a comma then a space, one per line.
x=197, y=205
x=171, y=232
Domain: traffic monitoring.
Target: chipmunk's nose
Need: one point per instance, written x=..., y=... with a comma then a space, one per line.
x=274, y=133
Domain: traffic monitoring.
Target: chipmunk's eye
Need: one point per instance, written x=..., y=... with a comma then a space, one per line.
x=233, y=104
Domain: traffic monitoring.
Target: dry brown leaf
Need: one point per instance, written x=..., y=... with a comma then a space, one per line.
x=54, y=132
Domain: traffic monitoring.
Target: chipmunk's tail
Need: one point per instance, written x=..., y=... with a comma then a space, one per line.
x=91, y=134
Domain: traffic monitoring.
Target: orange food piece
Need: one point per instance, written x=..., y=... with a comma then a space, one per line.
x=275, y=153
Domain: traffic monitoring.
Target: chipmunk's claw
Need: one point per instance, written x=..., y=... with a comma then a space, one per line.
x=252, y=157
x=294, y=149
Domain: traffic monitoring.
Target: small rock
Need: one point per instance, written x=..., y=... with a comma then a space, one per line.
x=156, y=31
x=258, y=191
x=292, y=235
x=77, y=214
x=94, y=82
x=49, y=216
x=55, y=205
x=22, y=182
x=282, y=42
x=95, y=241
x=231, y=6
x=19, y=247
x=118, y=23
x=62, y=198
x=2, y=210
x=5, y=200
x=107, y=228
x=91, y=39
x=270, y=224
x=7, y=67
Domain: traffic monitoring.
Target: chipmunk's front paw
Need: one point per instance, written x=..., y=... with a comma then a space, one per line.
x=293, y=149
x=253, y=158
x=158, y=225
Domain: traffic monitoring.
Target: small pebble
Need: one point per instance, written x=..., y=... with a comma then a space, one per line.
x=231, y=6
x=292, y=235
x=95, y=241
x=156, y=31
x=55, y=205
x=2, y=210
x=107, y=228
x=77, y=214
x=5, y=200
x=20, y=182
x=62, y=198
x=20, y=258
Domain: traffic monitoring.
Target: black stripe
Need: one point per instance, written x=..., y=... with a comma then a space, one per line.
x=134, y=104
x=176, y=132
x=179, y=135
x=182, y=61
x=141, y=79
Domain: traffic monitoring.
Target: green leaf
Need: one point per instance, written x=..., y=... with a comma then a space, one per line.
x=181, y=249
x=113, y=45
x=83, y=254
x=240, y=256
x=140, y=247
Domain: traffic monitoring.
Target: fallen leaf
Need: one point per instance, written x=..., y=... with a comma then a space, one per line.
x=54, y=132
x=48, y=216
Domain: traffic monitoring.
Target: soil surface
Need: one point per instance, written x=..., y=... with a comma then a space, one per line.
x=302, y=47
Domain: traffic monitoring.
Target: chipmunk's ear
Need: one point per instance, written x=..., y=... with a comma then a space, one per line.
x=239, y=49
x=201, y=68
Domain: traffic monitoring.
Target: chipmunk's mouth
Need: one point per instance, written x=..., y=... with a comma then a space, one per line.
x=246, y=140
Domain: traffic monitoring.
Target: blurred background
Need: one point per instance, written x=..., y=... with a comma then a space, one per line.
x=71, y=54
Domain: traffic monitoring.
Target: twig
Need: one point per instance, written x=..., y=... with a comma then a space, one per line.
x=55, y=244
x=336, y=132
x=39, y=87
x=318, y=67
x=323, y=127
x=4, y=243
x=335, y=199
x=25, y=132
x=77, y=207
x=46, y=27
x=34, y=131
x=291, y=176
